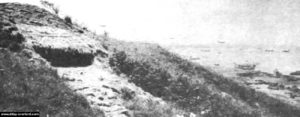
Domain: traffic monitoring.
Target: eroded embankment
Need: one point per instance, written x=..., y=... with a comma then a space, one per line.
x=65, y=57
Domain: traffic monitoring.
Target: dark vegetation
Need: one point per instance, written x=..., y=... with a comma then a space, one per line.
x=27, y=86
x=9, y=36
x=165, y=75
x=191, y=86
x=68, y=20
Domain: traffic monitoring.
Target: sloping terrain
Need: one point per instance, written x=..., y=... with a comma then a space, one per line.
x=28, y=85
x=166, y=75
x=79, y=63
x=193, y=87
x=116, y=79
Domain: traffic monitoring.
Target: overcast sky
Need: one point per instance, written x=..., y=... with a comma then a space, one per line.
x=258, y=22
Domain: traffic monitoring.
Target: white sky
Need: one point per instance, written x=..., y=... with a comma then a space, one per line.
x=260, y=22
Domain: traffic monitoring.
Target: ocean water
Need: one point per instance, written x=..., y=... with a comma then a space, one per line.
x=267, y=60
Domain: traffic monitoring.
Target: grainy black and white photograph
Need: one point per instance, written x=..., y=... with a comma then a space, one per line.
x=149, y=58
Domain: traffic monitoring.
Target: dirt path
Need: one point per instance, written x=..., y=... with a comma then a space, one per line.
x=102, y=88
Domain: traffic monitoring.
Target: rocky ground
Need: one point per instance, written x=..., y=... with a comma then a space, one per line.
x=103, y=88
